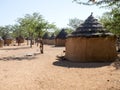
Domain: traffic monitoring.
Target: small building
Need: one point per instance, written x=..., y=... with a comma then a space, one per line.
x=60, y=39
x=19, y=40
x=51, y=40
x=45, y=38
x=7, y=40
x=91, y=43
x=1, y=42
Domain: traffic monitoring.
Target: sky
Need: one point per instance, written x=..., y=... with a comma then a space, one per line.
x=54, y=11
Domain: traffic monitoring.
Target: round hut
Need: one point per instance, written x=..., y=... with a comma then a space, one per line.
x=91, y=43
x=7, y=40
x=19, y=40
x=60, y=39
x=45, y=38
x=1, y=42
x=52, y=39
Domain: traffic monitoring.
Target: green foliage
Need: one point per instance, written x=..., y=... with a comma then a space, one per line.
x=18, y=31
x=75, y=22
x=29, y=23
x=106, y=3
x=35, y=25
x=30, y=26
x=5, y=30
x=111, y=20
x=69, y=30
x=56, y=32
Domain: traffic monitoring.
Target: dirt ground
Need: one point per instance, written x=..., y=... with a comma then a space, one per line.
x=24, y=68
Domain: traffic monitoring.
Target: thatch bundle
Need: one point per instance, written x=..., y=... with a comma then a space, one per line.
x=91, y=42
x=60, y=39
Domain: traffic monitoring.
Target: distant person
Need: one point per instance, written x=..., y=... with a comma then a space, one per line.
x=41, y=46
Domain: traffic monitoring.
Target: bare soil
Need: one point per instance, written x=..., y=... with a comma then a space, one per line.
x=24, y=68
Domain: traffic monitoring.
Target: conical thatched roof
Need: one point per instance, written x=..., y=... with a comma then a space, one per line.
x=52, y=36
x=91, y=27
x=46, y=36
x=62, y=34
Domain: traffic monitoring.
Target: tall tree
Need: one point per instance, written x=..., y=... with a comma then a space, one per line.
x=18, y=31
x=34, y=25
x=30, y=23
x=5, y=30
x=111, y=20
x=75, y=22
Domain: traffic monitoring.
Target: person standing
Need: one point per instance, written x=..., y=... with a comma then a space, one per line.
x=41, y=46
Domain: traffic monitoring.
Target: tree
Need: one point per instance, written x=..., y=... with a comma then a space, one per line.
x=35, y=25
x=69, y=30
x=108, y=3
x=5, y=30
x=40, y=28
x=43, y=27
x=57, y=30
x=75, y=22
x=18, y=31
x=31, y=23
x=111, y=20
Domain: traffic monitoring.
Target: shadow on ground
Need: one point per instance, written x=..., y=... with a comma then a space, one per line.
x=65, y=63
x=53, y=46
x=20, y=58
x=15, y=48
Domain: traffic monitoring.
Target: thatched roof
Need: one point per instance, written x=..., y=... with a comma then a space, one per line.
x=52, y=36
x=46, y=36
x=91, y=27
x=62, y=34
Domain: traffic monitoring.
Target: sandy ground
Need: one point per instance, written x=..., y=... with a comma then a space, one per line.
x=45, y=72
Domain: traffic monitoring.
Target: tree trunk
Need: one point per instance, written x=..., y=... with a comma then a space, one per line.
x=31, y=40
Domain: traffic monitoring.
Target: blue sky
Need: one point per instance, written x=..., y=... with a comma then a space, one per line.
x=57, y=11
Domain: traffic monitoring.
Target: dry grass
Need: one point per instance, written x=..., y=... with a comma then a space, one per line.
x=45, y=72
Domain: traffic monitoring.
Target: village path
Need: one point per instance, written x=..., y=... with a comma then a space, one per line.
x=45, y=72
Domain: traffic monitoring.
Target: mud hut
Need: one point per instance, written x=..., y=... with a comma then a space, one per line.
x=51, y=40
x=91, y=42
x=7, y=40
x=60, y=39
x=19, y=40
x=45, y=38
x=1, y=42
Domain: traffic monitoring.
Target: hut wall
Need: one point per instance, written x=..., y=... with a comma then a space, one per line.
x=60, y=42
x=20, y=41
x=45, y=41
x=51, y=42
x=1, y=43
x=8, y=41
x=84, y=49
